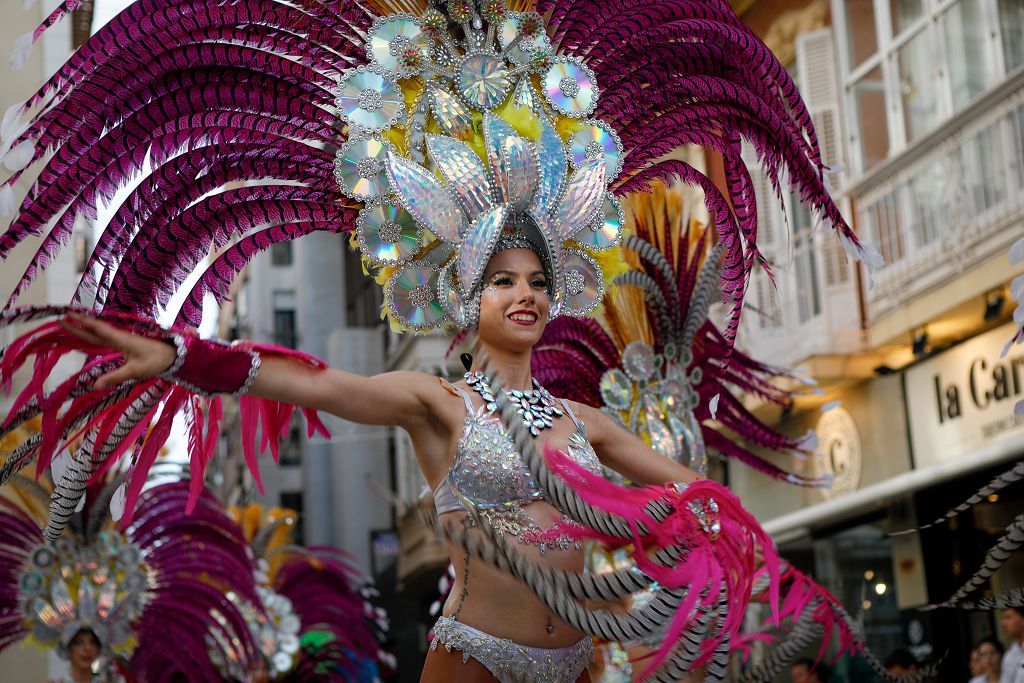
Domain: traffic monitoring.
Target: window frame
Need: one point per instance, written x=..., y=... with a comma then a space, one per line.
x=885, y=58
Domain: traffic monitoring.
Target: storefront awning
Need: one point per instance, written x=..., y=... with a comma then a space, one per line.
x=877, y=496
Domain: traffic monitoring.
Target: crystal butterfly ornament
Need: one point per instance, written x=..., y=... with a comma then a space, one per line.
x=655, y=395
x=455, y=144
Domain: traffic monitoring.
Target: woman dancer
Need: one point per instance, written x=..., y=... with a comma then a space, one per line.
x=474, y=179
x=452, y=432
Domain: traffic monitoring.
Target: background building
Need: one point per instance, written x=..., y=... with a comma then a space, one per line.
x=919, y=105
x=56, y=284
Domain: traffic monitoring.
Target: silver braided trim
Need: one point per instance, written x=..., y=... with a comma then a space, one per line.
x=655, y=299
x=804, y=632
x=997, y=556
x=254, y=369
x=550, y=586
x=72, y=486
x=1001, y=481
x=262, y=537
x=559, y=591
x=633, y=625
x=703, y=294
x=653, y=257
x=32, y=487
x=1014, y=598
x=180, y=351
x=19, y=458
x=563, y=496
x=32, y=409
x=70, y=489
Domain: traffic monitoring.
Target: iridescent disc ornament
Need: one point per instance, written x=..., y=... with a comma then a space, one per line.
x=527, y=45
x=390, y=37
x=387, y=234
x=570, y=87
x=616, y=389
x=411, y=296
x=359, y=168
x=638, y=361
x=369, y=101
x=605, y=231
x=583, y=283
x=483, y=80
x=597, y=140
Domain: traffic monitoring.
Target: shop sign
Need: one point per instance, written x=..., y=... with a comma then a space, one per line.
x=838, y=457
x=963, y=398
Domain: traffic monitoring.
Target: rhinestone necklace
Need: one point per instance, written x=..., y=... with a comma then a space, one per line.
x=536, y=406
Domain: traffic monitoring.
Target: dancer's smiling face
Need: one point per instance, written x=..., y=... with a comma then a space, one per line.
x=514, y=303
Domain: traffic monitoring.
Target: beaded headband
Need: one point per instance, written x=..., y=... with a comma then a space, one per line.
x=465, y=122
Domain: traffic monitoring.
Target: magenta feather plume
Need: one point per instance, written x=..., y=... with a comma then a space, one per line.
x=120, y=425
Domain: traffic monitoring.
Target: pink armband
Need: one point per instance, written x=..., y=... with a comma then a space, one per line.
x=211, y=367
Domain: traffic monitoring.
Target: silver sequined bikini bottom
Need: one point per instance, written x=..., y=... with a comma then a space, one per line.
x=510, y=662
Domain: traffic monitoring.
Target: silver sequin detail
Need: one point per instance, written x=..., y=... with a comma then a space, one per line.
x=420, y=296
x=369, y=167
x=370, y=100
x=510, y=662
x=574, y=283
x=390, y=232
x=398, y=44
x=569, y=86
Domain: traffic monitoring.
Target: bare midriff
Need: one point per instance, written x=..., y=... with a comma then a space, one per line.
x=499, y=604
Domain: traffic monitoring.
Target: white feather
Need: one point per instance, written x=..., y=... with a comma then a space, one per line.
x=8, y=203
x=713, y=405
x=11, y=119
x=59, y=465
x=1017, y=289
x=1017, y=252
x=20, y=155
x=1018, y=315
x=809, y=441
x=117, y=502
x=22, y=46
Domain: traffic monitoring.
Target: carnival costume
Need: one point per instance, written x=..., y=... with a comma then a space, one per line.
x=227, y=598
x=451, y=132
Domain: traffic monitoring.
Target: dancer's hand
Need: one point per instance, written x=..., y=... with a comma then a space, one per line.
x=143, y=357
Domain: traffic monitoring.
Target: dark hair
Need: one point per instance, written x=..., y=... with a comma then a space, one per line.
x=1018, y=610
x=819, y=669
x=991, y=641
x=901, y=658
x=84, y=631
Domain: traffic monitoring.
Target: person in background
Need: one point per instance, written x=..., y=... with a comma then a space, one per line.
x=900, y=662
x=985, y=661
x=1012, y=622
x=806, y=671
x=83, y=651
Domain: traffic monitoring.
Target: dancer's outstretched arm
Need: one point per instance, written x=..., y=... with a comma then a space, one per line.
x=624, y=452
x=394, y=398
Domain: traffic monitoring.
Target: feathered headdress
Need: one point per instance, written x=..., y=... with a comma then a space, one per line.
x=254, y=122
x=655, y=361
x=452, y=124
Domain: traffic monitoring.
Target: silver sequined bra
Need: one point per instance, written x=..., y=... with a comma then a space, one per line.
x=489, y=472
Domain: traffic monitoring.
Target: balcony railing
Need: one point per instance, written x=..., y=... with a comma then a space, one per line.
x=949, y=203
